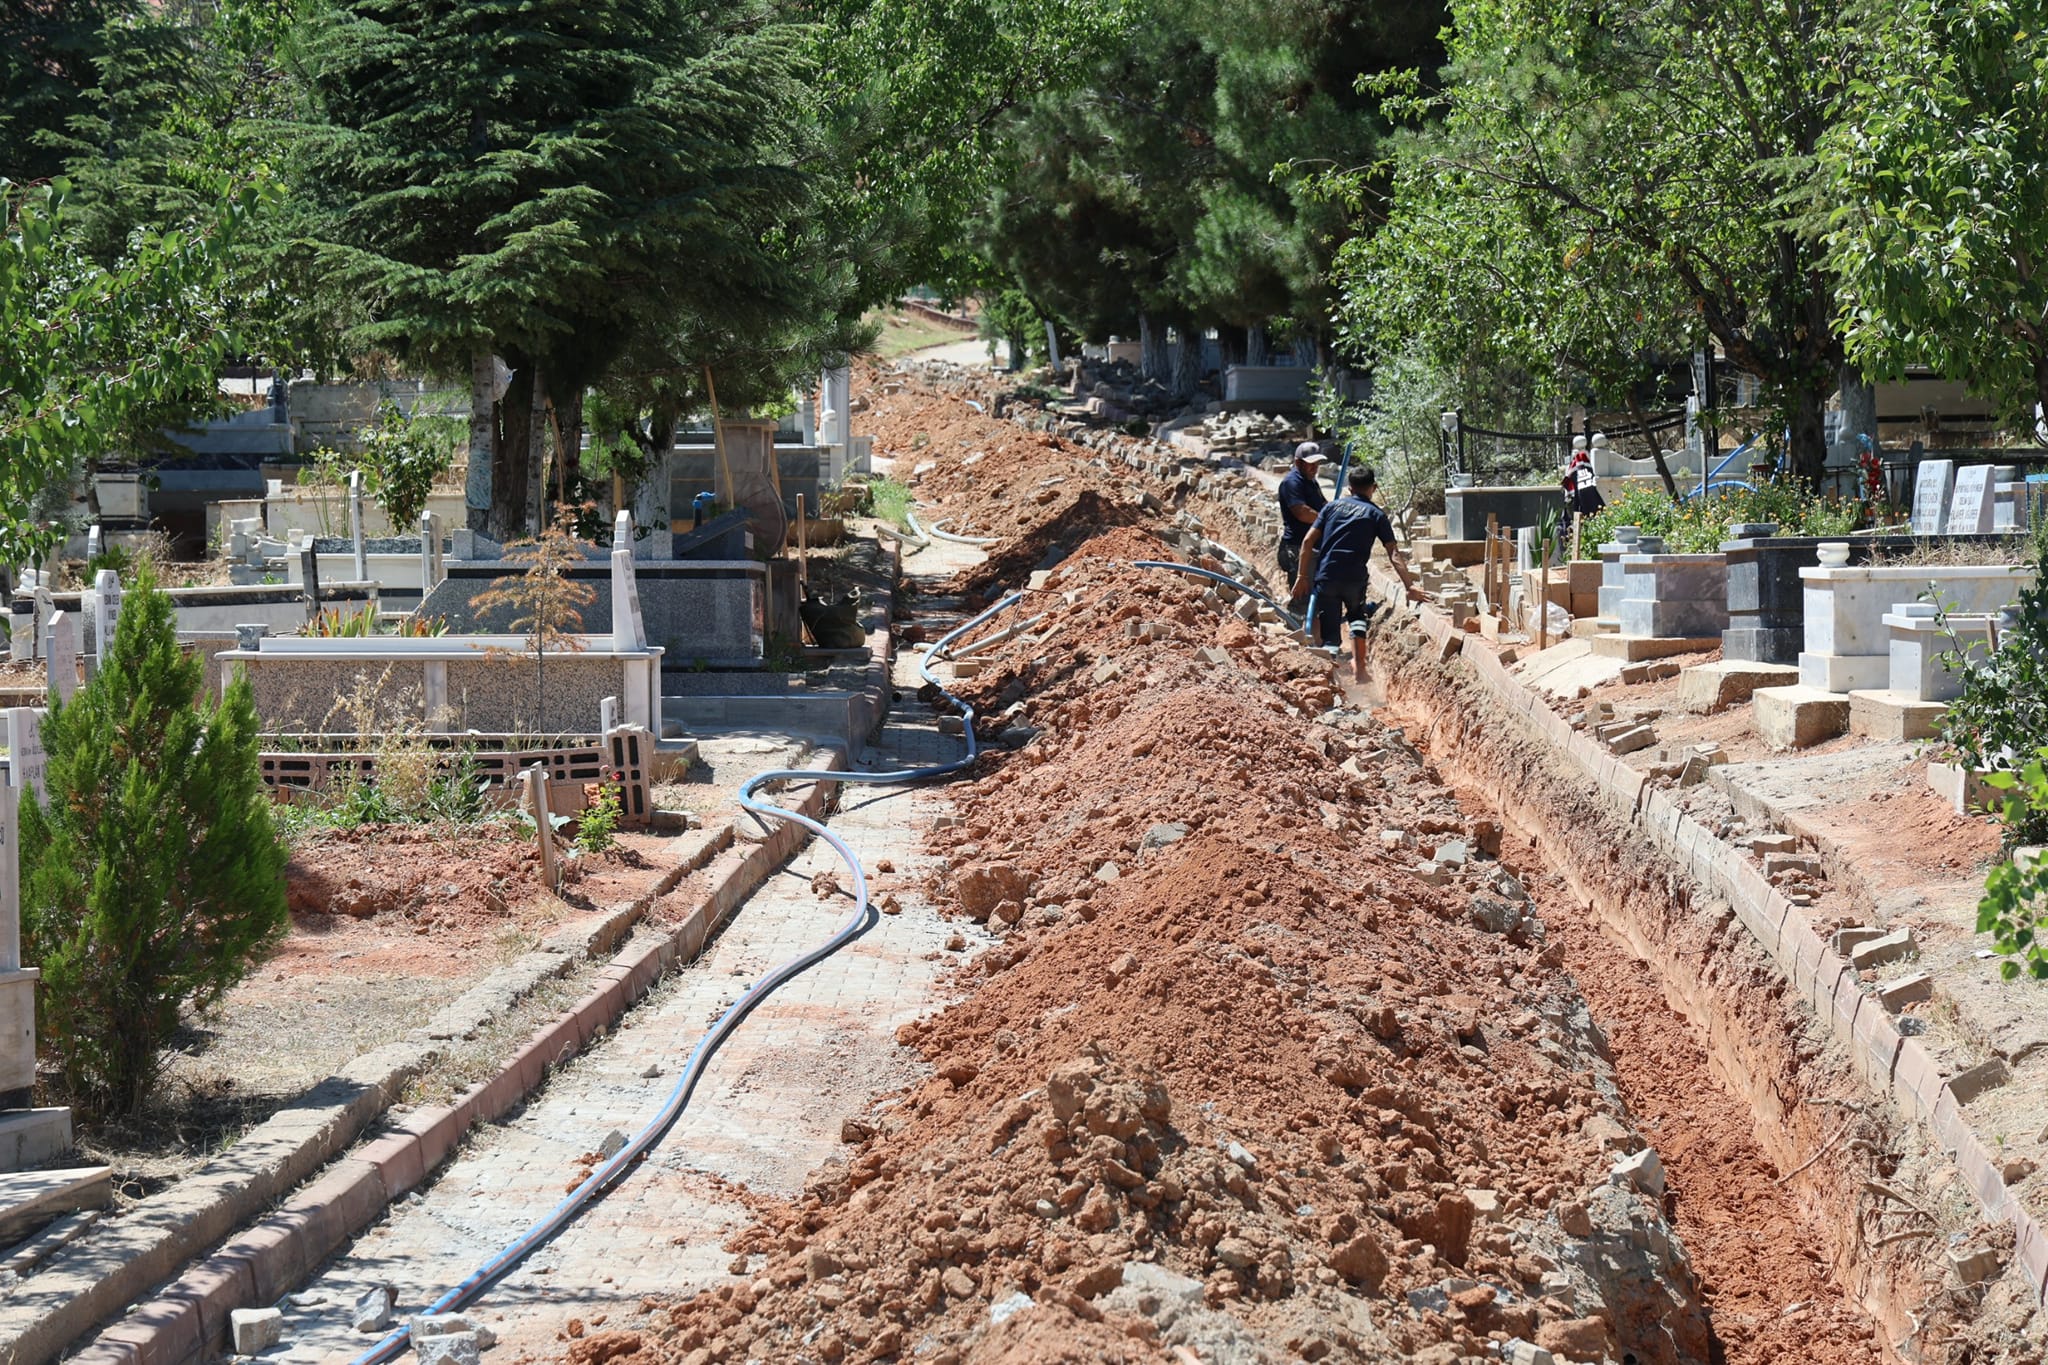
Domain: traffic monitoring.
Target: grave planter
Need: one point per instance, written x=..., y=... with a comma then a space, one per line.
x=1848, y=645
x=1963, y=788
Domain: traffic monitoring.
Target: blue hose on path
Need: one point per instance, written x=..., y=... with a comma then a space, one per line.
x=1243, y=587
x=857, y=923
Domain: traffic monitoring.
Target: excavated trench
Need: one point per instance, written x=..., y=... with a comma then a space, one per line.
x=1719, y=1062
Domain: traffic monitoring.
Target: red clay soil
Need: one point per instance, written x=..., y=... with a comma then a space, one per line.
x=1234, y=1055
x=451, y=894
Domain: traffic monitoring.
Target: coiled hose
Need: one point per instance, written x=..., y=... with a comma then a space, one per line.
x=857, y=922
x=1285, y=615
x=934, y=533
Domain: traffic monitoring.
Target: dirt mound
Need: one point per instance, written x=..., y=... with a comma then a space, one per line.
x=434, y=873
x=1247, y=1074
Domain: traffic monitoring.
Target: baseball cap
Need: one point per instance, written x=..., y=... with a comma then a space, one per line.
x=1310, y=453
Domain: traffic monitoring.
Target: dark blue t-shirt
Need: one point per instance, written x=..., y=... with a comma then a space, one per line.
x=1349, y=527
x=1298, y=490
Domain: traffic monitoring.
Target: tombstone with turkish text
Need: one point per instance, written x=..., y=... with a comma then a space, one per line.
x=103, y=604
x=1930, y=497
x=1970, y=512
x=628, y=630
x=63, y=660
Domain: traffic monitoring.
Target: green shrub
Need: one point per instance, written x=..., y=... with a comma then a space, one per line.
x=154, y=876
x=2001, y=714
x=1700, y=525
x=597, y=829
x=2015, y=904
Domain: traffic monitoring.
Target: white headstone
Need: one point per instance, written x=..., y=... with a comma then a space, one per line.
x=433, y=564
x=21, y=632
x=622, y=531
x=355, y=524
x=63, y=655
x=26, y=760
x=628, y=633
x=1930, y=497
x=10, y=880
x=95, y=543
x=807, y=419
x=104, y=602
x=607, y=715
x=1971, y=510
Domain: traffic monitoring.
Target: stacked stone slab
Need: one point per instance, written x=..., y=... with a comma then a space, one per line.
x=1674, y=596
x=1628, y=540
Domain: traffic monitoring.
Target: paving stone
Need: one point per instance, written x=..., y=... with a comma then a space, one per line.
x=1907, y=990
x=1877, y=952
x=255, y=1329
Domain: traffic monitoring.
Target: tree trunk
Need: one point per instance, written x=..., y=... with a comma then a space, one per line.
x=1231, y=344
x=483, y=443
x=1257, y=349
x=1808, y=435
x=1153, y=362
x=1859, y=411
x=1642, y=420
x=510, y=466
x=569, y=417
x=536, y=508
x=1187, y=364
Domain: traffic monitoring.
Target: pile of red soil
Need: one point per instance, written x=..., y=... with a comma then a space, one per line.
x=1241, y=1078
x=436, y=875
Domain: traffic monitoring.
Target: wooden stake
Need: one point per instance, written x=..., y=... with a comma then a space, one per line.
x=536, y=780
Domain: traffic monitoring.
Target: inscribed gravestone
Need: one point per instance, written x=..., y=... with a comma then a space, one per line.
x=432, y=563
x=63, y=661
x=1971, y=510
x=1930, y=497
x=25, y=764
x=628, y=630
x=105, y=605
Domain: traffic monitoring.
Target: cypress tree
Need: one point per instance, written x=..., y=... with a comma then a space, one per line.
x=152, y=876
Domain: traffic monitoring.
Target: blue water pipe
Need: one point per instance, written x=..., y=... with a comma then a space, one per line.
x=1285, y=614
x=857, y=922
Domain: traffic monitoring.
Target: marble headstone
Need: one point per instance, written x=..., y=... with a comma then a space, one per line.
x=1971, y=509
x=1930, y=497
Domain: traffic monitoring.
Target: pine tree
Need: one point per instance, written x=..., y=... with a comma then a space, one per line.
x=546, y=181
x=153, y=877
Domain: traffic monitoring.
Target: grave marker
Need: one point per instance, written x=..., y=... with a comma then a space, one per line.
x=1972, y=509
x=26, y=760
x=537, y=804
x=95, y=543
x=355, y=524
x=1930, y=497
x=433, y=566
x=607, y=715
x=63, y=661
x=104, y=604
x=622, y=531
x=628, y=631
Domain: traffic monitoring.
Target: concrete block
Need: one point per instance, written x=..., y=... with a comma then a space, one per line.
x=453, y=1348
x=1877, y=952
x=1975, y=1265
x=1893, y=717
x=1686, y=618
x=1907, y=990
x=1643, y=1170
x=1965, y=791
x=1798, y=717
x=1803, y=863
x=1631, y=739
x=1968, y=1085
x=1631, y=648
x=31, y=1138
x=1847, y=941
x=1844, y=673
x=1772, y=843
x=1705, y=689
x=255, y=1329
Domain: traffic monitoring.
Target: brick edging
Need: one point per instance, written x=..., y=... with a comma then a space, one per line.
x=1888, y=1060
x=188, y=1320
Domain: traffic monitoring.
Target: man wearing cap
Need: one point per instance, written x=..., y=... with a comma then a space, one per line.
x=1301, y=498
x=1342, y=539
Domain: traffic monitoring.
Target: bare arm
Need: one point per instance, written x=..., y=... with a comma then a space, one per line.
x=1303, y=513
x=1308, y=546
x=1415, y=594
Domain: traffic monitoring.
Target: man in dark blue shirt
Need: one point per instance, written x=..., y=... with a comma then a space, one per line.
x=1341, y=544
x=1301, y=497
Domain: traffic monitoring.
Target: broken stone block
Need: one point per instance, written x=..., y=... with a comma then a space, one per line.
x=1905, y=991
x=1968, y=1085
x=452, y=1348
x=1452, y=853
x=1878, y=951
x=1485, y=1204
x=1520, y=1352
x=1215, y=658
x=1779, y=864
x=1391, y=839
x=1107, y=671
x=1772, y=843
x=1434, y=873
x=1643, y=1170
x=1629, y=740
x=255, y=1329
x=425, y=1325
x=1848, y=940
x=1975, y=1265
x=1108, y=872
x=373, y=1310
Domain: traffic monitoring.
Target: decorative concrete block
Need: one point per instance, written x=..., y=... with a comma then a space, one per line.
x=1919, y=642
x=1799, y=717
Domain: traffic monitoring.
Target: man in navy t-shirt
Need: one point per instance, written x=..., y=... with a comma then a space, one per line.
x=1341, y=541
x=1301, y=497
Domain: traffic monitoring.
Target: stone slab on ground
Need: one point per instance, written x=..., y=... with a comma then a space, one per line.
x=1635, y=648
x=1893, y=716
x=1704, y=689
x=29, y=1199
x=33, y=1137
x=1567, y=668
x=1799, y=717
